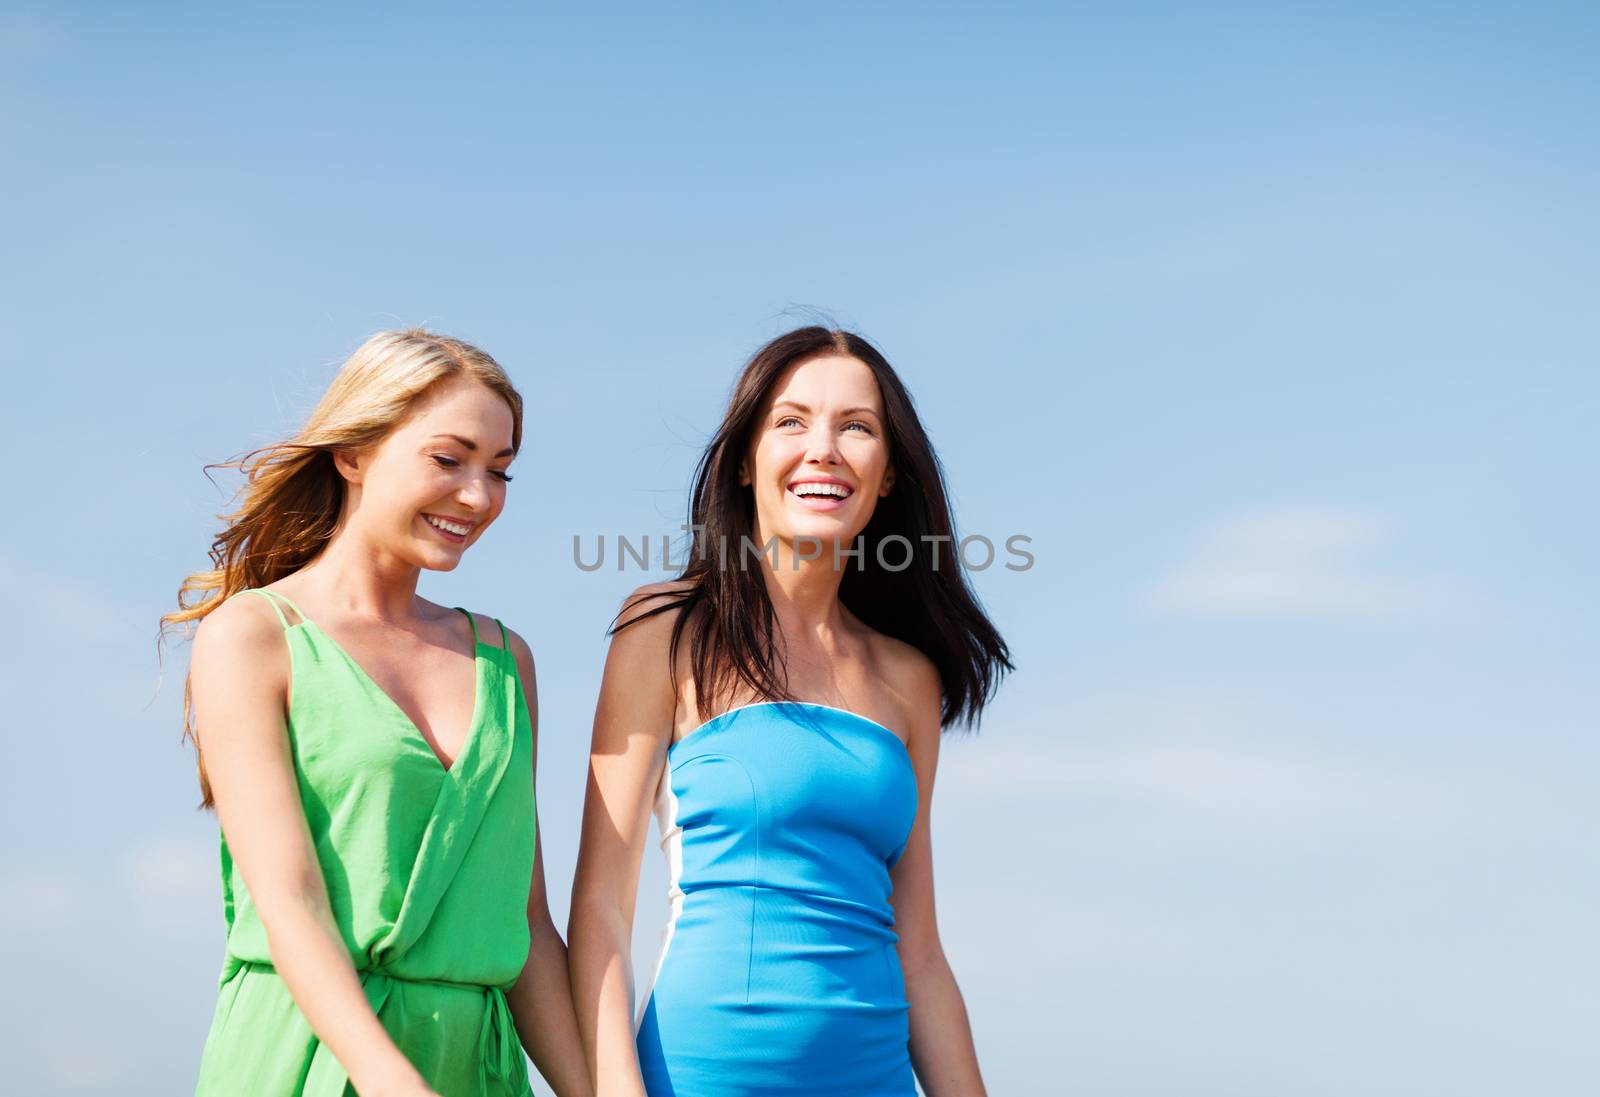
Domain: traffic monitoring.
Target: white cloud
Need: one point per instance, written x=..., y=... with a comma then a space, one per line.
x=38, y=900
x=1294, y=561
x=175, y=884
x=123, y=674
x=79, y=1061
x=1236, y=758
x=1216, y=781
x=70, y=610
x=1063, y=934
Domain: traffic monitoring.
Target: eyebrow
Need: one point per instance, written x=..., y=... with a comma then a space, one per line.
x=473, y=446
x=801, y=407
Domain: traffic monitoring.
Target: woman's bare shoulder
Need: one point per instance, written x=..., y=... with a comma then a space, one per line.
x=911, y=675
x=238, y=628
x=238, y=671
x=653, y=606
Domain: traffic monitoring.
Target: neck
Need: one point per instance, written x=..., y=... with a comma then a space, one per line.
x=363, y=579
x=804, y=593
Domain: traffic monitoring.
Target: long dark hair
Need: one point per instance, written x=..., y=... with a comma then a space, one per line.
x=726, y=610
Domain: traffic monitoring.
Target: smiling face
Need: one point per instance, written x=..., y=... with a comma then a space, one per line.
x=819, y=456
x=434, y=483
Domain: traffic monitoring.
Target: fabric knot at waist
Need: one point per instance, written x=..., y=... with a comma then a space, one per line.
x=502, y=1069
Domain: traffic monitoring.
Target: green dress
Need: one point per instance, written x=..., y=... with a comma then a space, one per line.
x=427, y=872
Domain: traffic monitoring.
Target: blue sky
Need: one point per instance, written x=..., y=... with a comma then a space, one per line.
x=1274, y=330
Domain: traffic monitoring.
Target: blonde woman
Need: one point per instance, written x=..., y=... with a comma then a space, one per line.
x=370, y=755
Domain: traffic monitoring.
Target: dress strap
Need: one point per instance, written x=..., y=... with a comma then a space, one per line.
x=474, y=624
x=291, y=605
x=273, y=597
x=505, y=641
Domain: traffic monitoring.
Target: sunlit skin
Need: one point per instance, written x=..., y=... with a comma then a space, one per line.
x=823, y=421
x=446, y=462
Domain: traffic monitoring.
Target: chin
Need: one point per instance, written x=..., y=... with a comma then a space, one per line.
x=826, y=532
x=433, y=560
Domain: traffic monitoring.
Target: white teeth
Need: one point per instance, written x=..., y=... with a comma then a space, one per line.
x=838, y=490
x=457, y=528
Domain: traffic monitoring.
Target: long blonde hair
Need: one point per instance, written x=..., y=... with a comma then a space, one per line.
x=293, y=495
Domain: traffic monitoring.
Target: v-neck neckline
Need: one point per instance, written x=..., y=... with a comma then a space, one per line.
x=410, y=724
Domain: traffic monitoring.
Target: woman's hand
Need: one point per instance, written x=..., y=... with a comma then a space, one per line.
x=942, y=1050
x=632, y=729
x=239, y=674
x=410, y=1087
x=541, y=997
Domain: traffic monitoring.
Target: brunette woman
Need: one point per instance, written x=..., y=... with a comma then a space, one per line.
x=779, y=706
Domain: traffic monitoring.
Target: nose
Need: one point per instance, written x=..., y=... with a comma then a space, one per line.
x=822, y=445
x=474, y=493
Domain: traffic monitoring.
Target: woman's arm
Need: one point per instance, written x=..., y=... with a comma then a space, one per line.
x=632, y=729
x=541, y=999
x=239, y=674
x=942, y=1050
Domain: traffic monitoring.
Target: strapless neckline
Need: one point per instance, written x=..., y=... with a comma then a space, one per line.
x=865, y=721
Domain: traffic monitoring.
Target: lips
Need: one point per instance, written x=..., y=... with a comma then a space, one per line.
x=820, y=492
x=830, y=484
x=453, y=530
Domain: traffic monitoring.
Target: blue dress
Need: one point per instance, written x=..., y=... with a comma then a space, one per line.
x=778, y=972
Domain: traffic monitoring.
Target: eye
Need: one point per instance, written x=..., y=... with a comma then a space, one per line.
x=858, y=423
x=451, y=463
x=786, y=419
